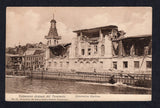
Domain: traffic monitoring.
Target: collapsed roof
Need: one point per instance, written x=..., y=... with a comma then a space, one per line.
x=133, y=45
x=59, y=50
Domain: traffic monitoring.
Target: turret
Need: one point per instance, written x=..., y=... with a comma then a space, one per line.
x=52, y=37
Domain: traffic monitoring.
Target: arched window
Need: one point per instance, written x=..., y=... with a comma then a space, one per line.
x=87, y=62
x=61, y=64
x=94, y=65
x=102, y=50
x=95, y=49
x=82, y=51
x=81, y=62
x=67, y=63
x=49, y=63
x=89, y=51
x=55, y=64
x=94, y=62
x=54, y=42
x=101, y=64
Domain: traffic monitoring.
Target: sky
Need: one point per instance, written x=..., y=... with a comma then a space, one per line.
x=31, y=24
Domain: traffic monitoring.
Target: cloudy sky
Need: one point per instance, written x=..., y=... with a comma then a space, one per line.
x=31, y=24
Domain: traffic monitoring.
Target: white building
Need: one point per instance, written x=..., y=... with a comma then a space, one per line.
x=100, y=49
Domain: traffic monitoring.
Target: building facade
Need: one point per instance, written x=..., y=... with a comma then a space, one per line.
x=34, y=59
x=101, y=49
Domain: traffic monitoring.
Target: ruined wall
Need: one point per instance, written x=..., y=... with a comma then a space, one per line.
x=72, y=49
x=82, y=56
x=99, y=60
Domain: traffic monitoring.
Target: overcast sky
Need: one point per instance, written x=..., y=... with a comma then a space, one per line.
x=31, y=24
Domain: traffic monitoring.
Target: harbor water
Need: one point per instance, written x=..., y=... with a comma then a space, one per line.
x=29, y=85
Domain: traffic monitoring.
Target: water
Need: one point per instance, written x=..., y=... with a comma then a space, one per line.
x=26, y=85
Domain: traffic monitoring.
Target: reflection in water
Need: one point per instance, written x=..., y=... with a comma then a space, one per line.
x=26, y=85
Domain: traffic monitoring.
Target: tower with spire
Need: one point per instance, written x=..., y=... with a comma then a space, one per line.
x=52, y=37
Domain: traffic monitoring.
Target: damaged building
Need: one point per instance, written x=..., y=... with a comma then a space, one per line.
x=100, y=49
x=133, y=53
x=57, y=54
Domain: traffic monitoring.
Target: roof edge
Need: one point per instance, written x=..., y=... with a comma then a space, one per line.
x=114, y=26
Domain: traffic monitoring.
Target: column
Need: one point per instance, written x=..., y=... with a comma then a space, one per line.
x=86, y=49
x=47, y=53
x=108, y=47
x=132, y=50
x=72, y=49
x=79, y=44
x=120, y=52
x=92, y=50
x=100, y=42
x=100, y=35
x=99, y=49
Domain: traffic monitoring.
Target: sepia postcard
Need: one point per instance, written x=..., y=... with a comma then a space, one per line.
x=78, y=54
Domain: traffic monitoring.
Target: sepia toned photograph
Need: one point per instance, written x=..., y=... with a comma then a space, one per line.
x=78, y=54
